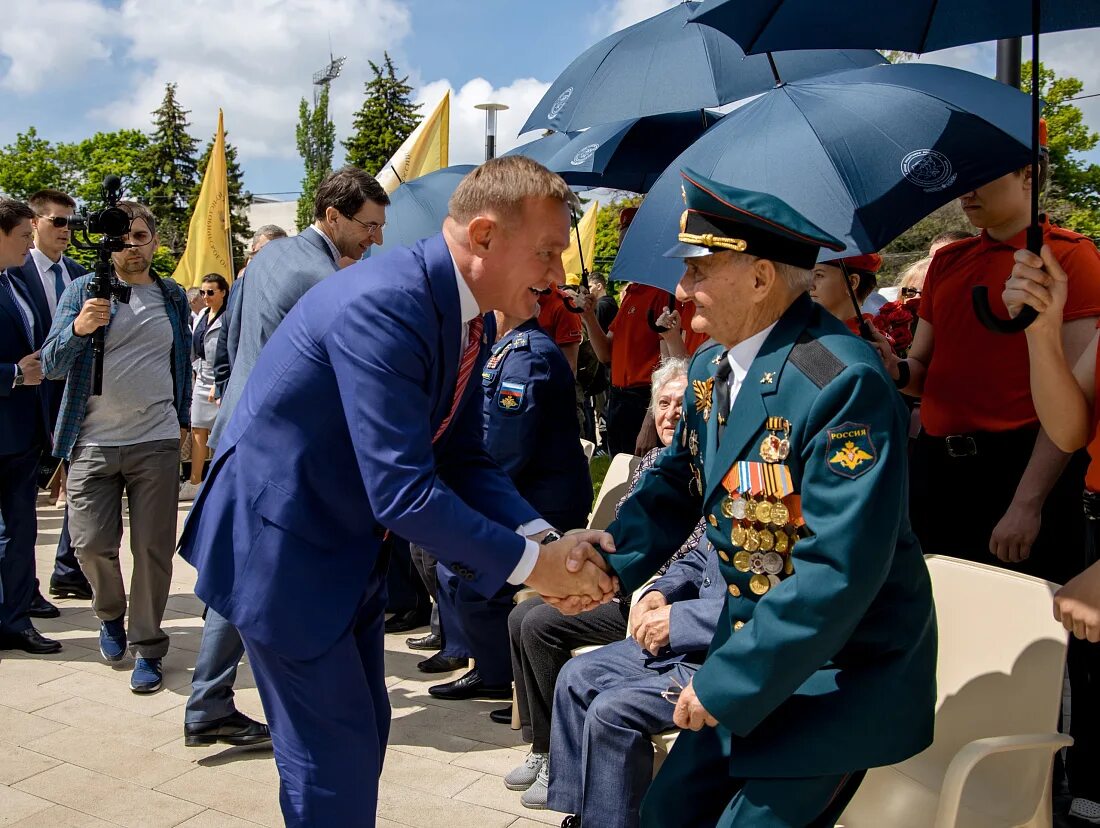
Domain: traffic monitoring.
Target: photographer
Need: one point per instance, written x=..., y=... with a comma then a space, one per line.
x=126, y=438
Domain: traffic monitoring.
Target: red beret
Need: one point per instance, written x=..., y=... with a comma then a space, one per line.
x=869, y=263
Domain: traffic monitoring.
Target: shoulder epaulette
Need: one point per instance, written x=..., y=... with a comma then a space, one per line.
x=820, y=365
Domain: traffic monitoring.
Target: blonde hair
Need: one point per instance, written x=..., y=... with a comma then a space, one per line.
x=502, y=185
x=915, y=274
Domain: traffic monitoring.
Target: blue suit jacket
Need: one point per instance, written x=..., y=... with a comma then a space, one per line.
x=331, y=445
x=23, y=411
x=51, y=390
x=278, y=277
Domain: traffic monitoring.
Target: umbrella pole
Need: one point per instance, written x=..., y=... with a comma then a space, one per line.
x=864, y=328
x=1035, y=231
x=775, y=70
x=569, y=306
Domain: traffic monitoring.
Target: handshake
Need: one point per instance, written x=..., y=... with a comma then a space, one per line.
x=572, y=575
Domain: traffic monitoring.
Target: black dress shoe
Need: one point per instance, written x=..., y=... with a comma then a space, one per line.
x=431, y=641
x=234, y=729
x=571, y=821
x=71, y=589
x=30, y=641
x=440, y=663
x=411, y=620
x=502, y=715
x=41, y=608
x=470, y=686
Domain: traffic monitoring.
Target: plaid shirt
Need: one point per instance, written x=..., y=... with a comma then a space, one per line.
x=69, y=357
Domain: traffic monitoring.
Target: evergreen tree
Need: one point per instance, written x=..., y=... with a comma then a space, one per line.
x=239, y=199
x=316, y=139
x=169, y=170
x=385, y=120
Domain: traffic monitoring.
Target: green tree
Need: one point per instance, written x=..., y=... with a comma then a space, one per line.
x=385, y=120
x=239, y=199
x=31, y=163
x=607, y=231
x=316, y=136
x=119, y=153
x=169, y=170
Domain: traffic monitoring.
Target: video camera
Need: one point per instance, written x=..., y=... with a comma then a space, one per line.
x=112, y=224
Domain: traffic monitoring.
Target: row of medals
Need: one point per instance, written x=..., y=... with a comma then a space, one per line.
x=764, y=551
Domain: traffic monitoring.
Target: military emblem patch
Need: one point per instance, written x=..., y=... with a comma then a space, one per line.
x=510, y=396
x=704, y=396
x=850, y=452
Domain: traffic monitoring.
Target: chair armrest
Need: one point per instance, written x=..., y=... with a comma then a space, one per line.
x=971, y=754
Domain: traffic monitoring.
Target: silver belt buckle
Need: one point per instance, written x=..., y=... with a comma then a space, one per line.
x=961, y=445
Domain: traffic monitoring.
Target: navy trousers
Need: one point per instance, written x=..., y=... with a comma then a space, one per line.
x=329, y=720
x=608, y=703
x=693, y=790
x=476, y=627
x=220, y=652
x=18, y=530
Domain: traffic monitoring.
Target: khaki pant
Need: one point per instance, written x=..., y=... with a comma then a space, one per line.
x=149, y=474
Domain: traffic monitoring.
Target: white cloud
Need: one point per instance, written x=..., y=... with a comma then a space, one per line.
x=50, y=39
x=619, y=14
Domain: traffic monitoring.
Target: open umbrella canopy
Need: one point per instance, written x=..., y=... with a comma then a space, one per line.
x=544, y=148
x=668, y=64
x=911, y=26
x=863, y=155
x=418, y=207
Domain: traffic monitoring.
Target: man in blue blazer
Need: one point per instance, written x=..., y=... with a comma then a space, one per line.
x=24, y=433
x=46, y=272
x=360, y=417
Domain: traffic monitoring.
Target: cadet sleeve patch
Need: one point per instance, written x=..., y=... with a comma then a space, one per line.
x=850, y=452
x=510, y=396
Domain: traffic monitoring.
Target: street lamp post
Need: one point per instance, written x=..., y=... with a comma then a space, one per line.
x=491, y=110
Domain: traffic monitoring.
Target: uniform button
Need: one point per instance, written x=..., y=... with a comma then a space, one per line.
x=722, y=554
x=735, y=591
x=738, y=625
x=469, y=576
x=712, y=520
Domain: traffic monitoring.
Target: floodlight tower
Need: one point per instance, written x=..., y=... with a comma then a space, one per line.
x=326, y=76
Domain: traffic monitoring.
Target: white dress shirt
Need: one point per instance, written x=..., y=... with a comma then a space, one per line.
x=741, y=357
x=470, y=311
x=43, y=263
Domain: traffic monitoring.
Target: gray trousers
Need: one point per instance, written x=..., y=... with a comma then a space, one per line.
x=424, y=562
x=149, y=474
x=215, y=671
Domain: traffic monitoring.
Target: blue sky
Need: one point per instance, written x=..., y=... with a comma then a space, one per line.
x=72, y=67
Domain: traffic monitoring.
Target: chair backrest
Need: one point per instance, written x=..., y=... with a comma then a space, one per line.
x=589, y=449
x=615, y=484
x=999, y=673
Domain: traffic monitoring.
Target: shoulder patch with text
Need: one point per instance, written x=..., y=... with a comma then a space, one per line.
x=850, y=452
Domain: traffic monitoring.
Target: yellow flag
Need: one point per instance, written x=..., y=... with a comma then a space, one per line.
x=424, y=151
x=207, y=248
x=571, y=258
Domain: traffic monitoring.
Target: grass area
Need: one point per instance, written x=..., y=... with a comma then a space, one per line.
x=598, y=468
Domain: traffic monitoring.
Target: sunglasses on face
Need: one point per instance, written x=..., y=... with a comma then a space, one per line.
x=56, y=221
x=206, y=292
x=910, y=292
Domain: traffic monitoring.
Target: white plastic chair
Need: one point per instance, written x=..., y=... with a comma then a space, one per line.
x=589, y=449
x=614, y=486
x=1000, y=669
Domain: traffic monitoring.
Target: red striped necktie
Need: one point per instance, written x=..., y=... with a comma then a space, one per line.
x=465, y=368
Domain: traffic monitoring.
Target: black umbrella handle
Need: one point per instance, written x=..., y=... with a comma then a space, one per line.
x=565, y=300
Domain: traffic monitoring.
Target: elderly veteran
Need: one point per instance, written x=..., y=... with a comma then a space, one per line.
x=793, y=448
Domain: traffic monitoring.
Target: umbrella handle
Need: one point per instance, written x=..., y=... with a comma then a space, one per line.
x=979, y=297
x=569, y=306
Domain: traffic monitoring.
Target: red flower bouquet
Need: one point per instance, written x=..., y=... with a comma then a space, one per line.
x=897, y=321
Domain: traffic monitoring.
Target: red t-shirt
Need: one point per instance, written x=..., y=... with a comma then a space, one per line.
x=979, y=380
x=1092, y=475
x=635, y=347
x=692, y=340
x=564, y=327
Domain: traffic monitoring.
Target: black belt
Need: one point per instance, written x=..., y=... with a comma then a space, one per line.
x=979, y=443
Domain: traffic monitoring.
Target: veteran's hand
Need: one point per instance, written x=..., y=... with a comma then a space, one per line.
x=690, y=713
x=652, y=632
x=1039, y=283
x=1015, y=533
x=571, y=575
x=647, y=603
x=1077, y=605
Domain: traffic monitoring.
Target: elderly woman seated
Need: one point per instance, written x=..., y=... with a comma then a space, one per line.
x=542, y=639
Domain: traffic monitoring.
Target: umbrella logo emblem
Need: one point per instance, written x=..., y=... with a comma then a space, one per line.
x=584, y=154
x=929, y=170
x=559, y=104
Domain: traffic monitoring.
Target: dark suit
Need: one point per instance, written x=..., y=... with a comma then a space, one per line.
x=66, y=567
x=24, y=433
x=330, y=446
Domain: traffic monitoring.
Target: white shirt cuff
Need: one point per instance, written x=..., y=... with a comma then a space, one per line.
x=533, y=528
x=526, y=564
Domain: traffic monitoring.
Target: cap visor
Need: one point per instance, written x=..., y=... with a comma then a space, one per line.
x=687, y=251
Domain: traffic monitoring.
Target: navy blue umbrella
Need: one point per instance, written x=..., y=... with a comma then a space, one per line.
x=544, y=148
x=668, y=64
x=913, y=26
x=418, y=207
x=863, y=155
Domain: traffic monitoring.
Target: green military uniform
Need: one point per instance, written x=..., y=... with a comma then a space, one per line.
x=824, y=661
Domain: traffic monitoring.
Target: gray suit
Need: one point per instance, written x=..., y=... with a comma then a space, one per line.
x=608, y=702
x=278, y=277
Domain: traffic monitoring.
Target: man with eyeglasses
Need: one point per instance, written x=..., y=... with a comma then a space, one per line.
x=349, y=213
x=46, y=272
x=126, y=438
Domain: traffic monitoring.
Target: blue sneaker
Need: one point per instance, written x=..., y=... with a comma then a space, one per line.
x=112, y=639
x=146, y=676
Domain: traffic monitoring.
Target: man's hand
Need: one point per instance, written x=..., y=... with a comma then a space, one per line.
x=690, y=713
x=30, y=367
x=1015, y=532
x=670, y=320
x=1040, y=283
x=571, y=575
x=1077, y=605
x=95, y=314
x=652, y=633
x=647, y=603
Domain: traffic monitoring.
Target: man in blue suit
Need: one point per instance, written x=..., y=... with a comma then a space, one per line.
x=46, y=272
x=349, y=211
x=24, y=434
x=360, y=418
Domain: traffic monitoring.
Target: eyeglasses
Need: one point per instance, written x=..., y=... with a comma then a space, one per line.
x=206, y=292
x=372, y=227
x=672, y=694
x=56, y=221
x=910, y=292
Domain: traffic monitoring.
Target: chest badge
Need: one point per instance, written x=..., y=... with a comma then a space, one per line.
x=768, y=378
x=776, y=448
x=704, y=396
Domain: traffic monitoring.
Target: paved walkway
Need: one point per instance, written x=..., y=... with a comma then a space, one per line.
x=79, y=750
